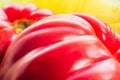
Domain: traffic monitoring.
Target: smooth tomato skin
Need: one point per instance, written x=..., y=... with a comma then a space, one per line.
x=104, y=70
x=102, y=31
x=44, y=33
x=60, y=20
x=83, y=57
x=38, y=39
x=6, y=36
x=117, y=55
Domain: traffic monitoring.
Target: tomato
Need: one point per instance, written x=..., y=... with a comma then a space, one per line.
x=63, y=47
x=83, y=57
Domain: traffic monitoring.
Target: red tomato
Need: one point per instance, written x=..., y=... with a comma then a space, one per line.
x=63, y=47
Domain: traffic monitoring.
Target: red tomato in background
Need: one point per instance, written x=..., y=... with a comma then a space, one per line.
x=22, y=16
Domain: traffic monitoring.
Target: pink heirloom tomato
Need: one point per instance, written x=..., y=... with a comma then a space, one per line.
x=74, y=46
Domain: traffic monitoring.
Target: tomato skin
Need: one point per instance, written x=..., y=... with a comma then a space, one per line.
x=117, y=55
x=101, y=70
x=42, y=30
x=104, y=33
x=58, y=61
x=12, y=13
x=6, y=35
x=109, y=38
x=63, y=47
x=39, y=36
